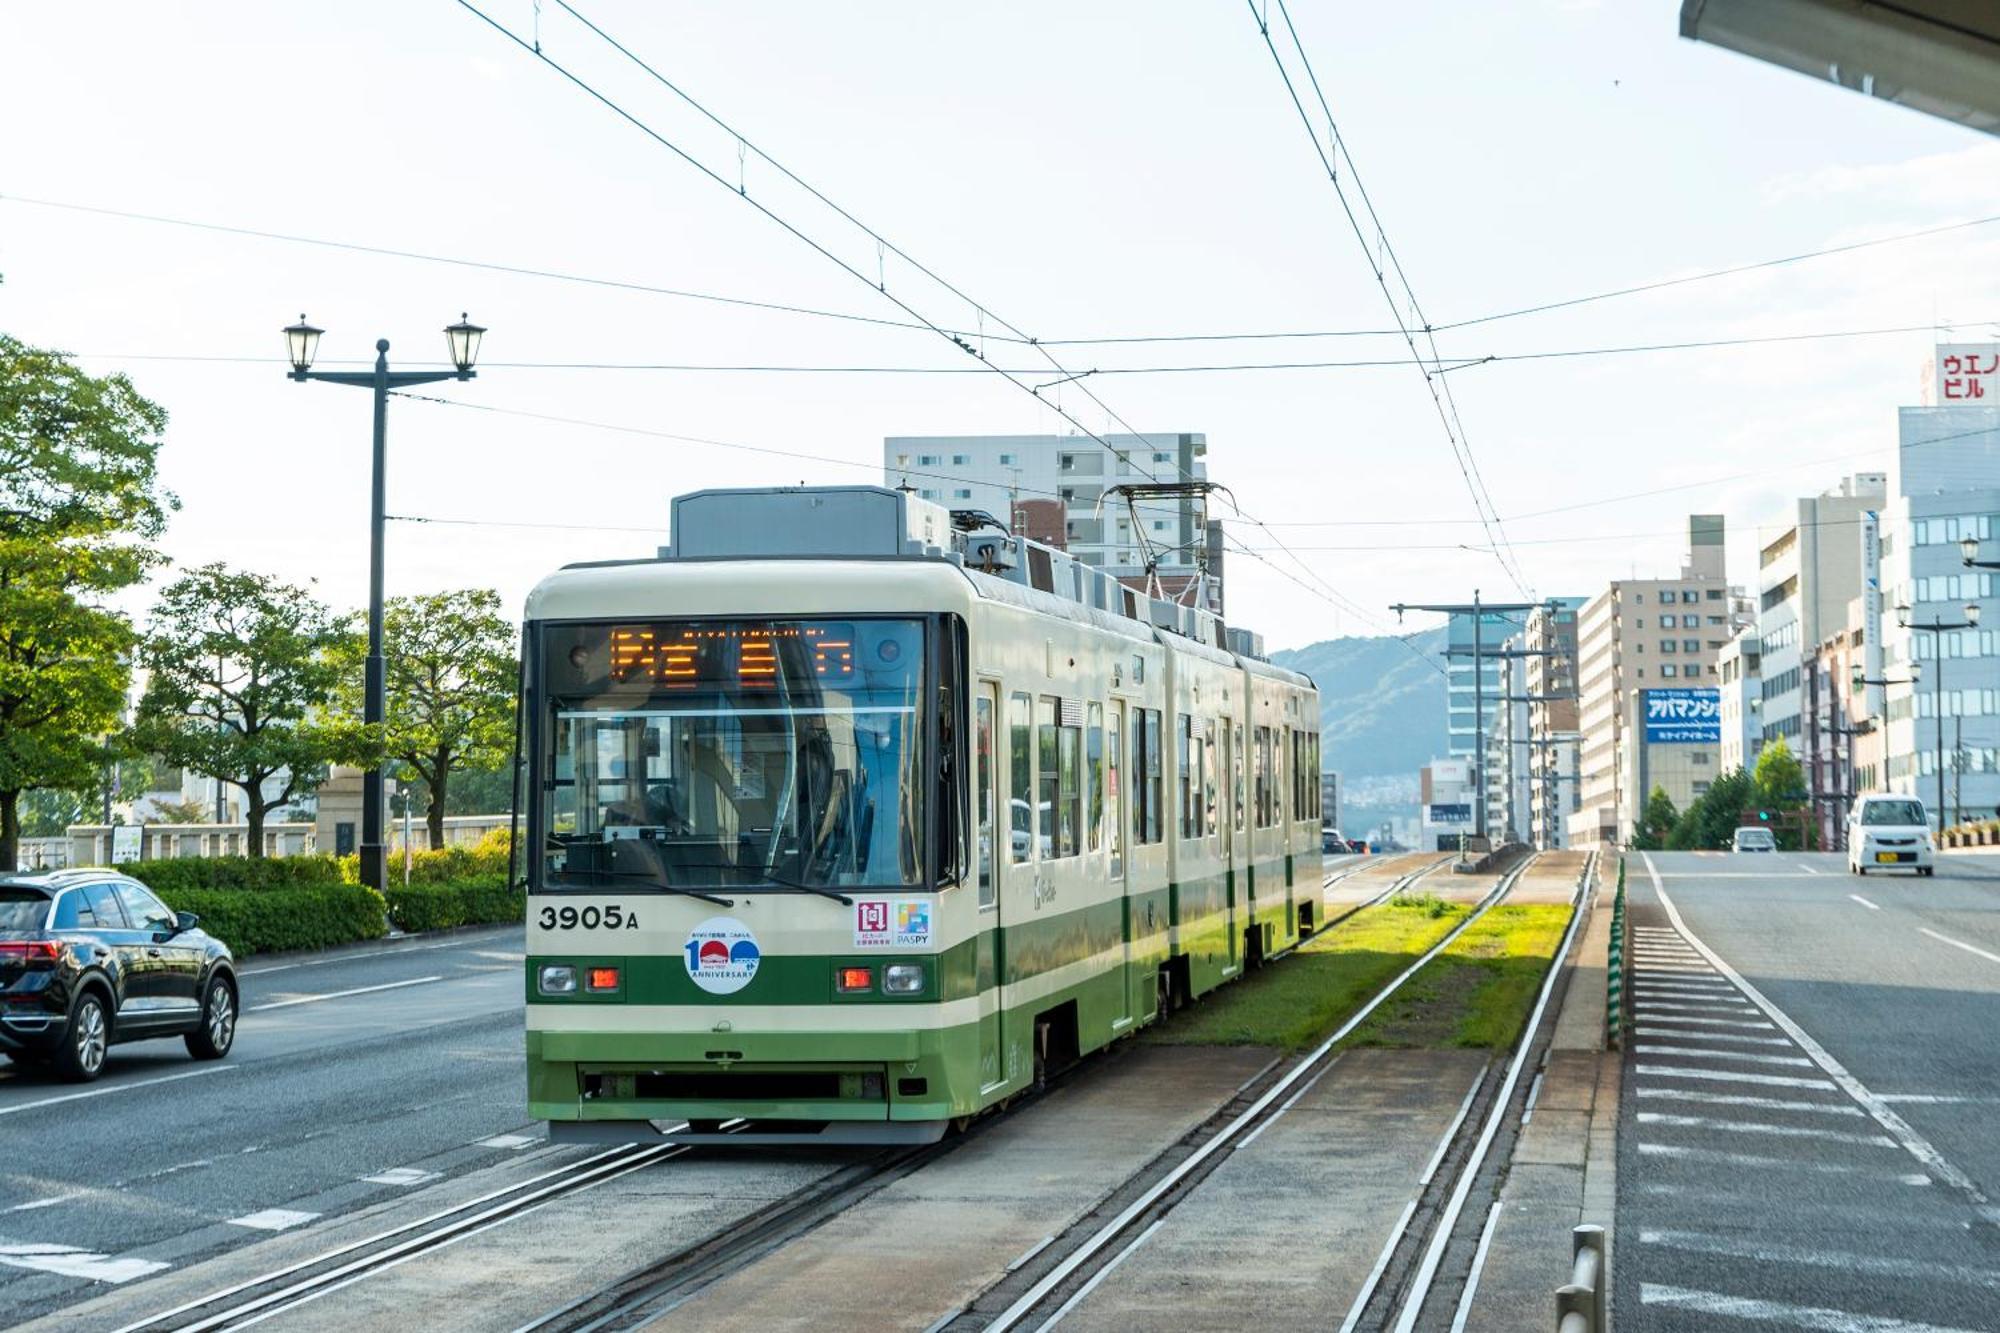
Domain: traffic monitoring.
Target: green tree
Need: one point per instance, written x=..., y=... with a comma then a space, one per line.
x=241, y=675
x=1711, y=820
x=79, y=500
x=1658, y=821
x=1780, y=786
x=450, y=667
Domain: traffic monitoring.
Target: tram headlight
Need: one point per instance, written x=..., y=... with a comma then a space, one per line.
x=903, y=978
x=556, y=979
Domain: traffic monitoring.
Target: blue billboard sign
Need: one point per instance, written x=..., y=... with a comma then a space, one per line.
x=1683, y=716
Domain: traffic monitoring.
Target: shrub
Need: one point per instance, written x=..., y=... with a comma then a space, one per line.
x=236, y=872
x=309, y=916
x=476, y=900
x=443, y=866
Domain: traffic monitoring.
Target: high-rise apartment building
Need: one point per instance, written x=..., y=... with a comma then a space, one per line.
x=1739, y=670
x=1468, y=688
x=1550, y=677
x=993, y=472
x=1807, y=574
x=1649, y=705
x=1944, y=488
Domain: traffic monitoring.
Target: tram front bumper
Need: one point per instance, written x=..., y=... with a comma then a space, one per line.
x=585, y=1077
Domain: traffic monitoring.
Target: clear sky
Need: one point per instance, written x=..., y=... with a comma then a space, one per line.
x=1081, y=169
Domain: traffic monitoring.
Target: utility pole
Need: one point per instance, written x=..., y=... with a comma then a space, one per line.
x=1479, y=610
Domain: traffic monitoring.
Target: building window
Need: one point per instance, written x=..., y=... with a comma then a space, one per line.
x=902, y=460
x=1690, y=594
x=1666, y=645
x=1667, y=670
x=1639, y=623
x=928, y=494
x=1066, y=462
x=1690, y=645
x=960, y=460
x=927, y=460
x=1667, y=622
x=1006, y=460
x=1714, y=594
x=1159, y=525
x=1638, y=599
x=1159, y=457
x=962, y=493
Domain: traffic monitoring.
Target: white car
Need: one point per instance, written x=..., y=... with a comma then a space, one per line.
x=1889, y=831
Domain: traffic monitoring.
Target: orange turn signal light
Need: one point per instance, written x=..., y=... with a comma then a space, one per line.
x=856, y=979
x=601, y=978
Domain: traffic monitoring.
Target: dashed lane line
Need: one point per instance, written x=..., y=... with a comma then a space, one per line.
x=1915, y=1270
x=1731, y=1076
x=1789, y=1165
x=1759, y=1127
x=1873, y=907
x=1778, y=1312
x=1745, y=1100
x=511, y=1142
x=273, y=1219
x=73, y=1261
x=1959, y=944
x=115, y=1087
x=340, y=994
x=1916, y=1144
x=401, y=1175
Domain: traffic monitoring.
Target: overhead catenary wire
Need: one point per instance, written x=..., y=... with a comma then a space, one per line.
x=1435, y=385
x=1104, y=340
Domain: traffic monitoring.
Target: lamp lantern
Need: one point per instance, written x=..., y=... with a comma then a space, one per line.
x=301, y=346
x=463, y=338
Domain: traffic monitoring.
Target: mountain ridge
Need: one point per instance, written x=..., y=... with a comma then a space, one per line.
x=1382, y=706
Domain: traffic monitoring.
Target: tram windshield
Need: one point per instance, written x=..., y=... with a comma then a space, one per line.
x=733, y=754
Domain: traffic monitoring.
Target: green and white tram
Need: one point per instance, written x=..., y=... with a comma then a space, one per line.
x=847, y=823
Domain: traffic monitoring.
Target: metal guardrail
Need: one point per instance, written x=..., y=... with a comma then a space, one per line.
x=1581, y=1304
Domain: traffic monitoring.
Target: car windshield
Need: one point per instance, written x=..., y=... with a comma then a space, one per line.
x=21, y=909
x=734, y=754
x=1754, y=837
x=1892, y=813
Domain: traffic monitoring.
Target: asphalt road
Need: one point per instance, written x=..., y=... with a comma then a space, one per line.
x=355, y=1075
x=1810, y=1129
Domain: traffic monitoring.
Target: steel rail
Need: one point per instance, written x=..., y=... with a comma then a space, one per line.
x=575, y=1175
x=1447, y=1222
x=1259, y=1112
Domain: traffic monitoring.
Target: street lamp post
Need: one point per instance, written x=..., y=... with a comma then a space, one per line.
x=1968, y=549
x=1938, y=626
x=302, y=344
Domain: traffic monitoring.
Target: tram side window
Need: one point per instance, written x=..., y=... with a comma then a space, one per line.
x=1020, y=780
x=1114, y=752
x=982, y=766
x=1151, y=825
x=1263, y=798
x=1069, y=798
x=1094, y=775
x=1209, y=785
x=1048, y=772
x=1190, y=785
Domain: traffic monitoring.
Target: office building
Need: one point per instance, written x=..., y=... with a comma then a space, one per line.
x=1739, y=671
x=1550, y=677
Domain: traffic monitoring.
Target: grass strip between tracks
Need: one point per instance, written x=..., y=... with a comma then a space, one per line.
x=1296, y=1001
x=1477, y=993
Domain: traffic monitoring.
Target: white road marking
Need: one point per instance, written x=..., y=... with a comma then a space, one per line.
x=1791, y=1165
x=1100, y=1275
x=340, y=994
x=1757, y=1127
x=49, y=1202
x=1750, y=1023
x=1760, y=1103
x=116, y=1087
x=1696, y=1242
x=401, y=1175
x=1375, y=1274
x=1960, y=944
x=1731, y=1076
x=69, y=1261
x=1696, y=1053
x=510, y=1141
x=354, y=957
x=273, y=1219
x=1873, y=907
x=1704, y=986
x=1777, y=1312
x=1645, y=1031
x=1936, y=1099
x=1723, y=1006
x=1917, y=1145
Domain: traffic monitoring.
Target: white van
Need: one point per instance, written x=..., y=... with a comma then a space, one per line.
x=1889, y=831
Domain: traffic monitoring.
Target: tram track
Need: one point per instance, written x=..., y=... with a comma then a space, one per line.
x=1037, y=1295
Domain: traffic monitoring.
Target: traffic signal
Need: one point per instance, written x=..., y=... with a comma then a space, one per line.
x=1763, y=816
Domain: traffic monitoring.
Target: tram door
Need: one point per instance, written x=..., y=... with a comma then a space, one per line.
x=1226, y=817
x=994, y=845
x=1114, y=811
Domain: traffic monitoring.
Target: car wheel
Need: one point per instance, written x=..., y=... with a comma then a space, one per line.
x=212, y=1040
x=80, y=1057
x=1927, y=871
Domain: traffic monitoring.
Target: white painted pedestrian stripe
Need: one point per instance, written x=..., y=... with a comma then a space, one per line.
x=401, y=1175
x=1960, y=944
x=340, y=994
x=1873, y=907
x=1777, y=1312
x=1697, y=1035
x=273, y=1219
x=1696, y=1053
x=1916, y=1144
x=1749, y=1023
x=1790, y=1165
x=71, y=1261
x=1914, y=1099
x=1731, y=1076
x=1722, y=1007
x=1682, y=990
x=1917, y=1270
x=115, y=1087
x=510, y=1141
x=1770, y=1131
x=1757, y=1103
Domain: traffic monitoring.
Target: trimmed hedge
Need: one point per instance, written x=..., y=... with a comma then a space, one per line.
x=315, y=916
x=475, y=901
x=237, y=872
x=446, y=865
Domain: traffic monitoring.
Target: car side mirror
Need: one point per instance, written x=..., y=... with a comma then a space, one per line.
x=184, y=921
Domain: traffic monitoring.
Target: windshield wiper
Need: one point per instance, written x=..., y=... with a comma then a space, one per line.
x=778, y=880
x=653, y=882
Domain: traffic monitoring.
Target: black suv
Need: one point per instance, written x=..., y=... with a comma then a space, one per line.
x=90, y=957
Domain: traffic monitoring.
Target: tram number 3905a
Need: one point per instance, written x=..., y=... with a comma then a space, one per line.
x=613, y=917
